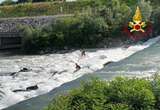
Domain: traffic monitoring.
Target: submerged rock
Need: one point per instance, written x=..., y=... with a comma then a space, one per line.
x=24, y=70
x=13, y=74
x=18, y=90
x=108, y=63
x=35, y=87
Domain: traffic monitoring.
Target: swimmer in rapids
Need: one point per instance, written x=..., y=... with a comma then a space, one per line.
x=77, y=67
x=83, y=53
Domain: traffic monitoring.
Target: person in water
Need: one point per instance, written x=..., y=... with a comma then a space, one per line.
x=77, y=67
x=83, y=53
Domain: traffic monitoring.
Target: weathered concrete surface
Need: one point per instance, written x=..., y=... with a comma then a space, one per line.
x=145, y=62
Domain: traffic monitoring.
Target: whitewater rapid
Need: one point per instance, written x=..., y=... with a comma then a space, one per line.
x=52, y=70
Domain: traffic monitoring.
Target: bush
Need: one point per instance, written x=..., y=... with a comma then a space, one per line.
x=86, y=32
x=55, y=32
x=156, y=90
x=129, y=2
x=32, y=40
x=116, y=107
x=116, y=15
x=137, y=93
x=155, y=19
x=118, y=94
x=68, y=32
x=88, y=97
x=7, y=2
x=146, y=9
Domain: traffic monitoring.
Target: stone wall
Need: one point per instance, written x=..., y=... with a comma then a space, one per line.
x=10, y=25
x=9, y=35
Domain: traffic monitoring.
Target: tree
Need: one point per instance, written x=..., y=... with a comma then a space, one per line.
x=146, y=9
x=22, y=1
x=129, y=2
x=116, y=14
x=155, y=2
x=7, y=2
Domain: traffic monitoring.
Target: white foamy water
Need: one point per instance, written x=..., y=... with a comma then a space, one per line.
x=43, y=67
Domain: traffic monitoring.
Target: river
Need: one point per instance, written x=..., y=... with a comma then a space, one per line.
x=42, y=67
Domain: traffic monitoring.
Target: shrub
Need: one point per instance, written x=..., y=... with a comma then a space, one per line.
x=7, y=2
x=146, y=9
x=129, y=2
x=88, y=97
x=116, y=14
x=60, y=103
x=156, y=22
x=118, y=94
x=86, y=32
x=71, y=32
x=116, y=107
x=55, y=32
x=32, y=40
x=156, y=90
x=136, y=93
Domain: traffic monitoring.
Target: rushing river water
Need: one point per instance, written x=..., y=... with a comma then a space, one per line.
x=42, y=67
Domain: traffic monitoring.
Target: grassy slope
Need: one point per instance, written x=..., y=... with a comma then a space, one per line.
x=40, y=9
